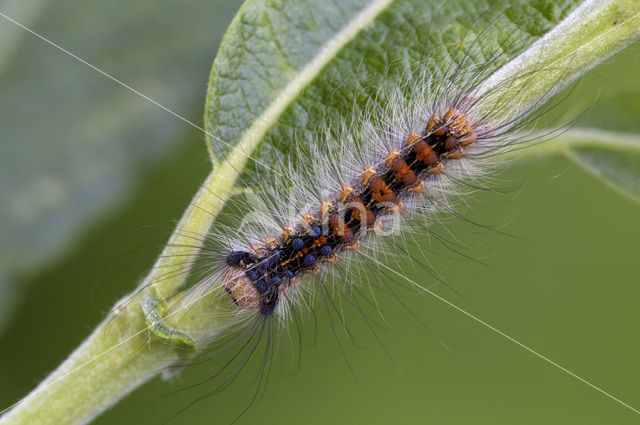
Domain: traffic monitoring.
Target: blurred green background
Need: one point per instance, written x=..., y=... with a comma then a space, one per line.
x=566, y=284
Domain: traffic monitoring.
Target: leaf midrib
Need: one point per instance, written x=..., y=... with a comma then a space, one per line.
x=252, y=137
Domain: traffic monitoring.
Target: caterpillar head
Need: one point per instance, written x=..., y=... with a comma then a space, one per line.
x=251, y=283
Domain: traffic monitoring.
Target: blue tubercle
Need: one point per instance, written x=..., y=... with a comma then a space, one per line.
x=297, y=243
x=326, y=250
x=261, y=286
x=252, y=274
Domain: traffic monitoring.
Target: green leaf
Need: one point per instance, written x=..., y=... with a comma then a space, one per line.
x=618, y=167
x=74, y=143
x=285, y=69
x=612, y=157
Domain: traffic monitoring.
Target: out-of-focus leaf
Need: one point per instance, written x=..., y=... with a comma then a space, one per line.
x=618, y=167
x=612, y=157
x=72, y=141
x=607, y=101
x=24, y=11
x=610, y=95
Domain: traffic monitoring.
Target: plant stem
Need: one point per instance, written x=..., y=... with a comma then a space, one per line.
x=122, y=353
x=117, y=357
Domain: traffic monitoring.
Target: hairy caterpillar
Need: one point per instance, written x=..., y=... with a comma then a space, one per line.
x=259, y=277
x=394, y=167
